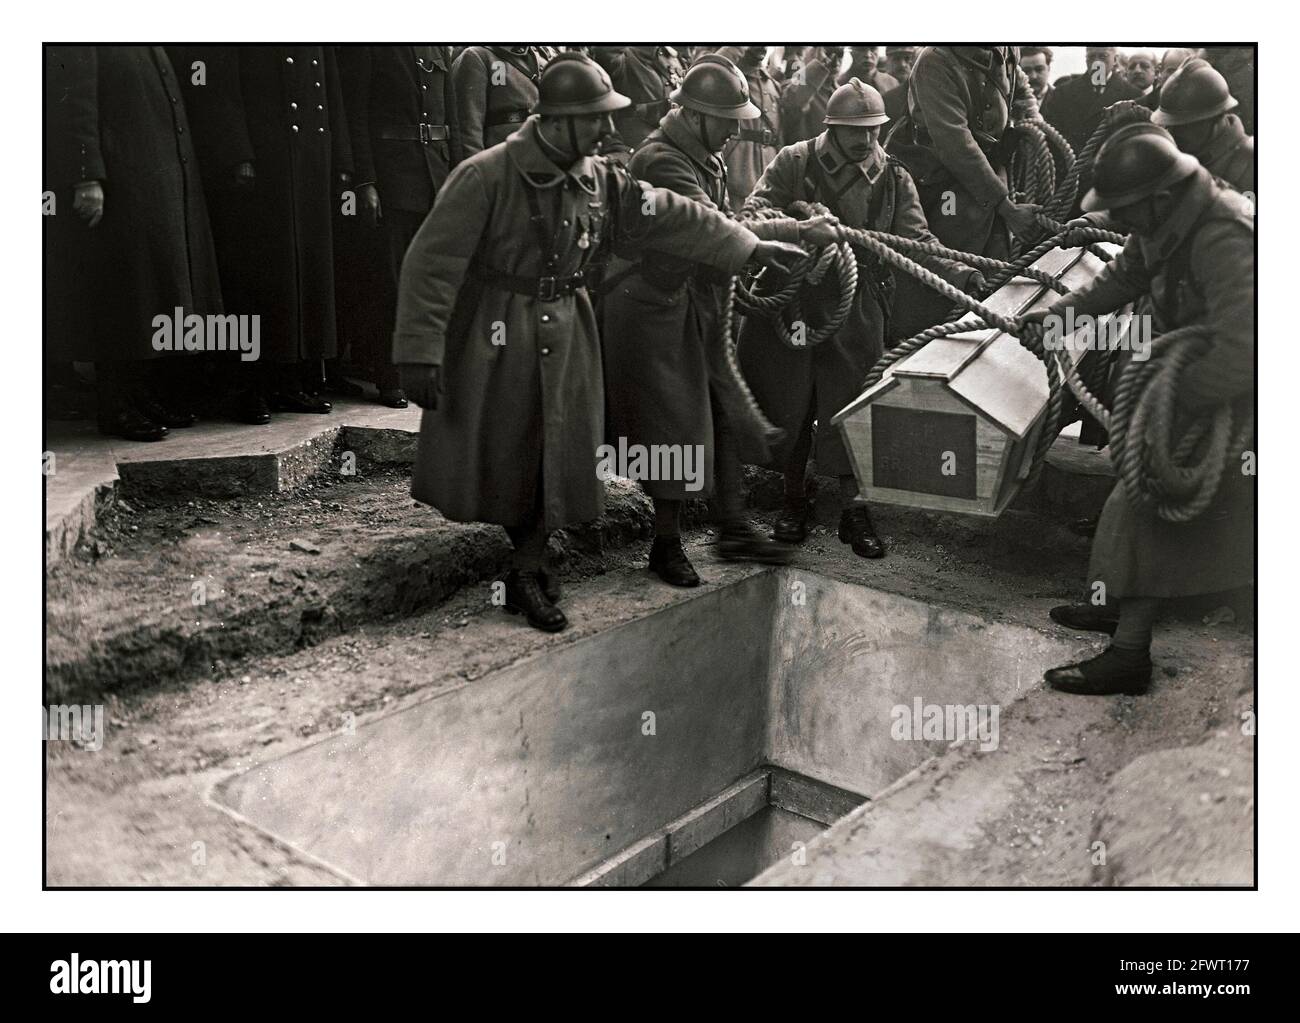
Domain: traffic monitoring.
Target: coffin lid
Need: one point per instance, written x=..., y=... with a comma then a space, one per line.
x=987, y=369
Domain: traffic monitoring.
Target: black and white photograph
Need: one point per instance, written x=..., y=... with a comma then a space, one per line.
x=657, y=465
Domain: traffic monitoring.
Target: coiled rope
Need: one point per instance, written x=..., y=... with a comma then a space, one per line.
x=1177, y=478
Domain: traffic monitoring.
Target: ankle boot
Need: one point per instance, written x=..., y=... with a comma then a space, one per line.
x=792, y=526
x=1111, y=671
x=1086, y=617
x=524, y=595
x=857, y=531
x=668, y=560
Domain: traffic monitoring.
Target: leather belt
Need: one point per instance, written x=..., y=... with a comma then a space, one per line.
x=765, y=136
x=505, y=117
x=416, y=133
x=544, y=289
x=988, y=145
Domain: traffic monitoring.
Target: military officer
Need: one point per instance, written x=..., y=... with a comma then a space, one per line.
x=405, y=140
x=1198, y=110
x=846, y=170
x=759, y=138
x=646, y=75
x=955, y=143
x=662, y=328
x=272, y=142
x=1191, y=252
x=495, y=87
x=961, y=100
x=128, y=235
x=496, y=337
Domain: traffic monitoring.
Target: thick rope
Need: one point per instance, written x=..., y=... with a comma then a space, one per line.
x=1177, y=479
x=1168, y=463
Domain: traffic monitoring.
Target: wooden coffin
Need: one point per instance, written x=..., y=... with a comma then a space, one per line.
x=953, y=427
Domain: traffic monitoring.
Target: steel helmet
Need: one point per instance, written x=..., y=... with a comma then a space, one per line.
x=1136, y=161
x=1195, y=92
x=857, y=103
x=573, y=85
x=714, y=85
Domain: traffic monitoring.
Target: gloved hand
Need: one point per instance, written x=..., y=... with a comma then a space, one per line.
x=976, y=285
x=88, y=202
x=422, y=383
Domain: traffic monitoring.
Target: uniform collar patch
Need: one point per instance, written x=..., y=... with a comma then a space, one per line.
x=538, y=169
x=833, y=161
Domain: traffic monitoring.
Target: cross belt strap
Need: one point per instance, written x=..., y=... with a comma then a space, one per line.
x=415, y=133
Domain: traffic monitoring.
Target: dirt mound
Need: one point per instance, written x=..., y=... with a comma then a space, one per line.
x=1180, y=817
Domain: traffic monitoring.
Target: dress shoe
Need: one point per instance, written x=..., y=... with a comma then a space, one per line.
x=162, y=412
x=524, y=595
x=1111, y=671
x=251, y=408
x=299, y=401
x=857, y=531
x=1085, y=618
x=131, y=425
x=669, y=562
x=393, y=397
x=792, y=526
x=739, y=541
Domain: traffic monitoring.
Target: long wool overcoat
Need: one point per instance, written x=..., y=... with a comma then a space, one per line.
x=793, y=385
x=522, y=413
x=114, y=114
x=662, y=323
x=1198, y=269
x=281, y=109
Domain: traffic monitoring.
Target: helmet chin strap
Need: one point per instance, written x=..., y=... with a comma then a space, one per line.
x=704, y=135
x=573, y=139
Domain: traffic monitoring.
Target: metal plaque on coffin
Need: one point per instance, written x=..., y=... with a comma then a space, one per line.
x=924, y=451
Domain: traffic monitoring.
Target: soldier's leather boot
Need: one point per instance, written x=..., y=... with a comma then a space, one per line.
x=792, y=526
x=669, y=562
x=857, y=531
x=739, y=541
x=130, y=424
x=550, y=584
x=1111, y=671
x=524, y=595
x=1086, y=617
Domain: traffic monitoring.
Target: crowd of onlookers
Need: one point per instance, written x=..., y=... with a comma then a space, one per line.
x=225, y=224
